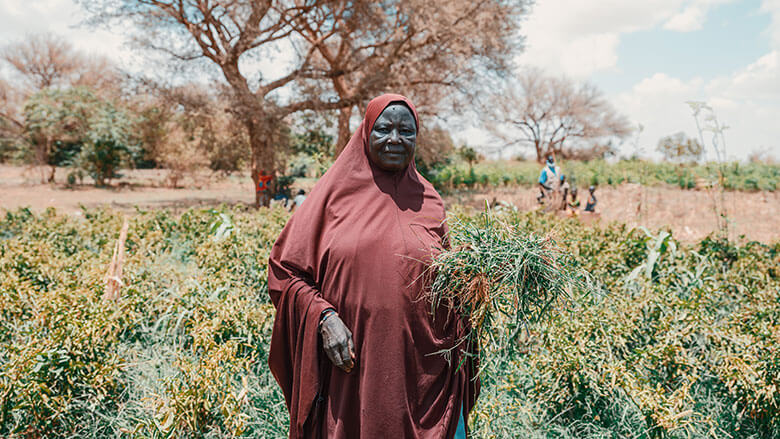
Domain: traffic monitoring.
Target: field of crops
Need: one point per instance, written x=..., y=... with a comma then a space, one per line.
x=674, y=341
x=737, y=176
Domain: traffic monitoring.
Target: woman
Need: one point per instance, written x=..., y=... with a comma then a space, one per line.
x=355, y=347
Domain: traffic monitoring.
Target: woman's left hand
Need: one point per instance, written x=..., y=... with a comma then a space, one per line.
x=337, y=342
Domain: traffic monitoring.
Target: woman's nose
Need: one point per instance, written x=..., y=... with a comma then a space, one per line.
x=394, y=136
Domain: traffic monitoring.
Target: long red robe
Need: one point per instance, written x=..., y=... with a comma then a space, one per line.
x=359, y=244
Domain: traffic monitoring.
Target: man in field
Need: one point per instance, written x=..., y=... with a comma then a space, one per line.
x=550, y=181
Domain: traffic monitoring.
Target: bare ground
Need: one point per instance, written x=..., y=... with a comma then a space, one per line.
x=689, y=213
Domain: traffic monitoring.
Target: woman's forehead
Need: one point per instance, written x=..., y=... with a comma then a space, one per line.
x=397, y=110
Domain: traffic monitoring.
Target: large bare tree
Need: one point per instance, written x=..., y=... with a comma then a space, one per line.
x=346, y=50
x=553, y=115
x=225, y=31
x=427, y=50
x=46, y=60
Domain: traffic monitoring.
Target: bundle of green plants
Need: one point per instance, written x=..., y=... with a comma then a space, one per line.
x=501, y=277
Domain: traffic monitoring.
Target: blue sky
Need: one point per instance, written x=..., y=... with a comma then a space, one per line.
x=648, y=56
x=732, y=36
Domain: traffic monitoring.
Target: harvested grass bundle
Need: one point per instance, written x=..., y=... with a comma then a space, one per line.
x=500, y=278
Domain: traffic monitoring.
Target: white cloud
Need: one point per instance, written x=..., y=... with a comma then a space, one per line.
x=690, y=19
x=748, y=101
x=581, y=37
x=772, y=7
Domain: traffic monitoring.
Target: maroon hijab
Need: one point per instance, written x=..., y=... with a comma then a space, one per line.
x=359, y=244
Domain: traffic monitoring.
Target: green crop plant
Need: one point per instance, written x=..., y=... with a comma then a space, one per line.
x=738, y=177
x=676, y=340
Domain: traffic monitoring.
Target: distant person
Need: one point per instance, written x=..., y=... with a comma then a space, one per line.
x=550, y=180
x=298, y=200
x=574, y=203
x=281, y=198
x=565, y=187
x=590, y=206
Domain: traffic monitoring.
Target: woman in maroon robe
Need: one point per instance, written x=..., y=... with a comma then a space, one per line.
x=358, y=246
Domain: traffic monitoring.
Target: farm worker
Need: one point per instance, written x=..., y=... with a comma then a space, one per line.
x=550, y=179
x=590, y=206
x=565, y=191
x=298, y=200
x=355, y=348
x=574, y=203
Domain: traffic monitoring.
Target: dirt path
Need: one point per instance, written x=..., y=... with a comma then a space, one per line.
x=21, y=187
x=689, y=213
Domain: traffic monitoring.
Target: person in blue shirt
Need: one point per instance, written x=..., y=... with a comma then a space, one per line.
x=550, y=179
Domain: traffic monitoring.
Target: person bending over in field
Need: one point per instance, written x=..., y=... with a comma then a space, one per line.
x=590, y=206
x=298, y=200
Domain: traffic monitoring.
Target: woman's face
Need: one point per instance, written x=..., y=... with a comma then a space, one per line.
x=392, y=139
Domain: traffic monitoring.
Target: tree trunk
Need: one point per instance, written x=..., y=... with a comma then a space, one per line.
x=253, y=114
x=343, y=137
x=262, y=161
x=539, y=152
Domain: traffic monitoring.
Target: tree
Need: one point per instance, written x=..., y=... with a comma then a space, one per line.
x=554, y=115
x=434, y=147
x=469, y=155
x=11, y=127
x=187, y=128
x=377, y=46
x=223, y=32
x=427, y=50
x=55, y=123
x=75, y=127
x=680, y=148
x=107, y=143
x=46, y=61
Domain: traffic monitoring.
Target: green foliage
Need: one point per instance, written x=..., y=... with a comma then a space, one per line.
x=74, y=127
x=680, y=344
x=56, y=123
x=433, y=151
x=737, y=176
x=107, y=144
x=468, y=155
x=311, y=146
x=182, y=352
x=677, y=342
x=312, y=142
x=501, y=277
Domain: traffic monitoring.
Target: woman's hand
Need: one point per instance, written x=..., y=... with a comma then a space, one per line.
x=337, y=342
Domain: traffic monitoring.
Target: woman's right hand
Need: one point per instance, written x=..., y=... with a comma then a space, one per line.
x=337, y=342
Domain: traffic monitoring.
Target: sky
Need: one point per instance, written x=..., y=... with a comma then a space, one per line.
x=648, y=57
